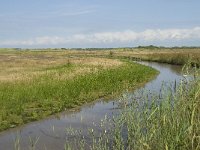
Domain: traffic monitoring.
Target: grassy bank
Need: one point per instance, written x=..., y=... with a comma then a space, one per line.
x=176, y=57
x=169, y=121
x=172, y=123
x=34, y=85
x=170, y=56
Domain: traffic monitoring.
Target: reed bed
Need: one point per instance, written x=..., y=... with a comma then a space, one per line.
x=169, y=120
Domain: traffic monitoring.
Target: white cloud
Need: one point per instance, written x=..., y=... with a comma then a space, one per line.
x=111, y=37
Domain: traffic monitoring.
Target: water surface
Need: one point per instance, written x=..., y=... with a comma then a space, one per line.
x=51, y=131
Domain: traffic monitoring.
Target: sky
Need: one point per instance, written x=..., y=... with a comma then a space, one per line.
x=99, y=23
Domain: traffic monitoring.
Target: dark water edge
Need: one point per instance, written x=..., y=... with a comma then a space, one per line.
x=51, y=132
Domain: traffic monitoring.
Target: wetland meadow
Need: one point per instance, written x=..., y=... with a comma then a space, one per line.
x=100, y=75
x=39, y=85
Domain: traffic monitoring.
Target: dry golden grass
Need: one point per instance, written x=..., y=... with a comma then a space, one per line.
x=139, y=51
x=167, y=55
x=26, y=65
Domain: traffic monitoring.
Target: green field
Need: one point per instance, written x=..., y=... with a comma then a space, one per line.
x=36, y=84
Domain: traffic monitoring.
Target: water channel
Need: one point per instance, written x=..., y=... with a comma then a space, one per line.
x=51, y=131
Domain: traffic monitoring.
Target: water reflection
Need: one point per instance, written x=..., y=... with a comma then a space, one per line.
x=52, y=131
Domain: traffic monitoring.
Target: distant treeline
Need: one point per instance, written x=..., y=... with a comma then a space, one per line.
x=119, y=48
x=131, y=48
x=163, y=47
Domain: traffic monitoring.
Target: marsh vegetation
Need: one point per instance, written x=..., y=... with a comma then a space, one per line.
x=169, y=120
x=36, y=84
x=174, y=55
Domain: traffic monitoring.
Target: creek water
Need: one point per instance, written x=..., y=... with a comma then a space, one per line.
x=51, y=132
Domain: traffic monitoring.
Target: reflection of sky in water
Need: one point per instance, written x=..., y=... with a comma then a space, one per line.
x=168, y=75
x=52, y=130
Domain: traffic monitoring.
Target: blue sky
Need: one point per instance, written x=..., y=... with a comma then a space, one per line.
x=99, y=23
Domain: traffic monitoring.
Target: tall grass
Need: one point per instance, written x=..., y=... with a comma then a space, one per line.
x=166, y=121
x=173, y=58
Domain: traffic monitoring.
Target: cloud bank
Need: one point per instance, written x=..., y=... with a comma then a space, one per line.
x=128, y=36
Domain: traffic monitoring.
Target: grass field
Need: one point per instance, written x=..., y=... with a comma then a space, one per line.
x=36, y=84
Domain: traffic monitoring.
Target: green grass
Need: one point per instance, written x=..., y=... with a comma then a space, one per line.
x=22, y=102
x=170, y=123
